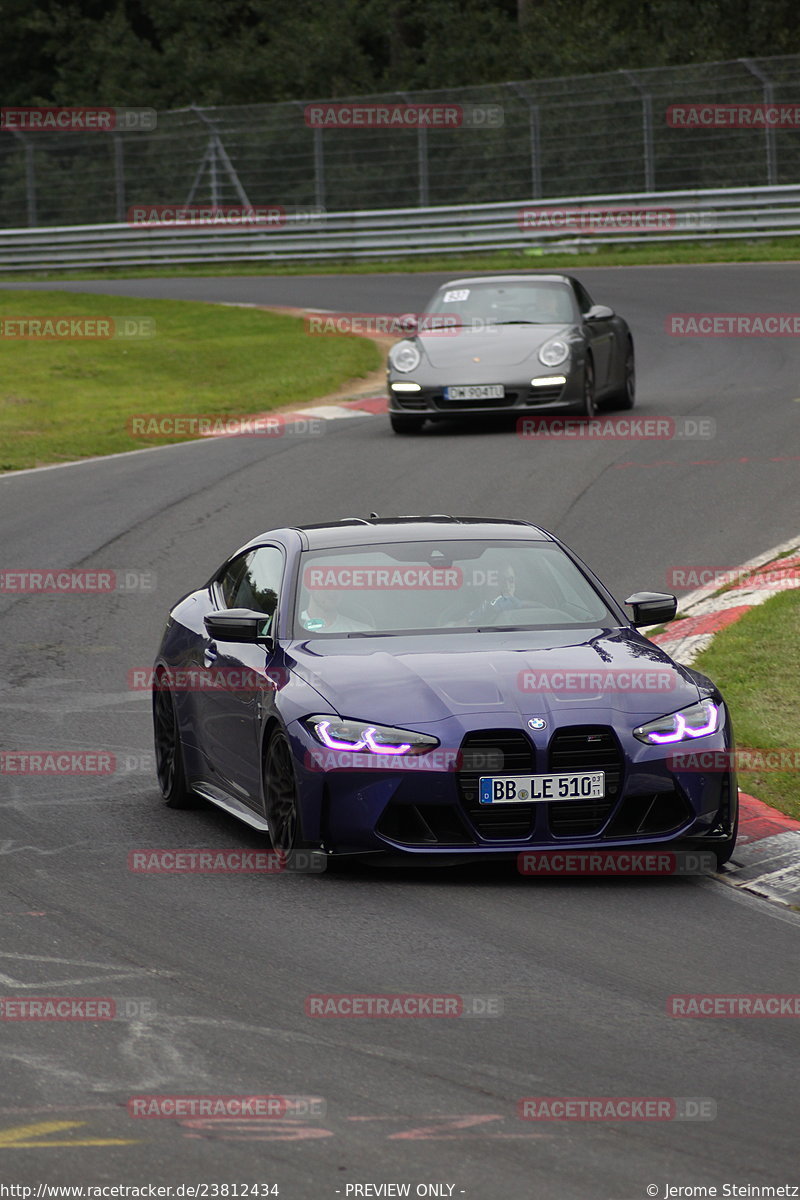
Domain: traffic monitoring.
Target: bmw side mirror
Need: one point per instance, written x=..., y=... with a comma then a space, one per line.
x=240, y=625
x=599, y=312
x=652, y=608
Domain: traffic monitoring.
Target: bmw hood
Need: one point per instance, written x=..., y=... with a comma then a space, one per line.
x=498, y=346
x=568, y=677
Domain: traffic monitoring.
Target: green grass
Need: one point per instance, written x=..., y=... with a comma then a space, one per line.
x=737, y=250
x=756, y=663
x=66, y=399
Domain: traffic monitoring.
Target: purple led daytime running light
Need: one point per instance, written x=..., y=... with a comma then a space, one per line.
x=376, y=749
x=332, y=743
x=365, y=742
x=683, y=730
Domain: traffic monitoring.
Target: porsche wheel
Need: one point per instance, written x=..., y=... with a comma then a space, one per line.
x=625, y=398
x=588, y=407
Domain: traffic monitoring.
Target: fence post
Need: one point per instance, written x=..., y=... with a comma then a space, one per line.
x=30, y=178
x=319, y=168
x=647, y=132
x=119, y=177
x=534, y=129
x=422, y=165
x=769, y=133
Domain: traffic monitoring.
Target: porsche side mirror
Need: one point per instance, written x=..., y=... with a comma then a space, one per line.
x=407, y=323
x=652, y=608
x=599, y=312
x=240, y=625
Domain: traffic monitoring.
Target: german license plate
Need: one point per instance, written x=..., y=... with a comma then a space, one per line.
x=475, y=391
x=528, y=789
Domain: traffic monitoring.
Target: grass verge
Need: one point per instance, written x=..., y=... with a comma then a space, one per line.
x=756, y=663
x=71, y=398
x=736, y=250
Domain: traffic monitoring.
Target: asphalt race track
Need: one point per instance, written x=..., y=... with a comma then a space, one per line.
x=225, y=962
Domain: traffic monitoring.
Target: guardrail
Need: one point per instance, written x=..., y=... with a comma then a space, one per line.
x=684, y=216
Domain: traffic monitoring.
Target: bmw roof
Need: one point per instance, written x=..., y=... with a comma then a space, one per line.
x=360, y=531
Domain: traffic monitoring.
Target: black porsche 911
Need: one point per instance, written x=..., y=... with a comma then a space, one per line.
x=510, y=344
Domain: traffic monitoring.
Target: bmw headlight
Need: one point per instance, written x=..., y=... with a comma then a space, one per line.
x=694, y=722
x=368, y=738
x=554, y=352
x=404, y=357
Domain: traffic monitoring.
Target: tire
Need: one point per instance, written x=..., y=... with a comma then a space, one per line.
x=170, y=768
x=625, y=398
x=404, y=424
x=588, y=408
x=724, y=850
x=280, y=795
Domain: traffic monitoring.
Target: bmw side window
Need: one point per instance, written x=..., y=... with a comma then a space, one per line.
x=260, y=582
x=231, y=578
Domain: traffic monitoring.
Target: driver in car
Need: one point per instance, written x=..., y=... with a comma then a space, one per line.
x=505, y=601
x=322, y=615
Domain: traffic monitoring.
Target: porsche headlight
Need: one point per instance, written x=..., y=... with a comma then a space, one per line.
x=368, y=738
x=404, y=357
x=554, y=352
x=694, y=722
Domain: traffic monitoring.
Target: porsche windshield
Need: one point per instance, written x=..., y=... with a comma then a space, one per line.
x=522, y=303
x=411, y=587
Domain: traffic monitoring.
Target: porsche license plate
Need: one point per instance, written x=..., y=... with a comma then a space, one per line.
x=475, y=391
x=528, y=789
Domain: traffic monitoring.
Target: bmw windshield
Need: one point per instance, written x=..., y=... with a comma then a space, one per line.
x=414, y=587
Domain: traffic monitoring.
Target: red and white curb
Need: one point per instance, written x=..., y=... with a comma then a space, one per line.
x=762, y=577
x=276, y=420
x=767, y=856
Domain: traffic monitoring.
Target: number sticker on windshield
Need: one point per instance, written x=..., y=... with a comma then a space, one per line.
x=455, y=296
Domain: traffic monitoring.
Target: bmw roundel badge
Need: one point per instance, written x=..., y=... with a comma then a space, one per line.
x=537, y=723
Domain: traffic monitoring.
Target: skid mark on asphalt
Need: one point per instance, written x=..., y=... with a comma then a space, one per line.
x=108, y=972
